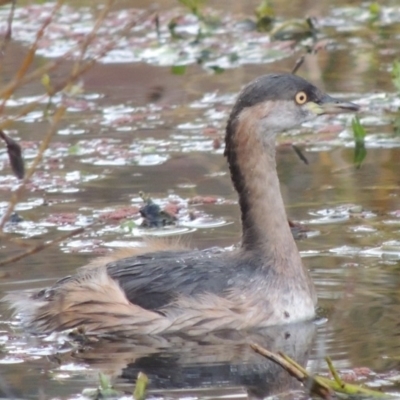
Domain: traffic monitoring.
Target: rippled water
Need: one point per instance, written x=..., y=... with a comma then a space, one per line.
x=116, y=141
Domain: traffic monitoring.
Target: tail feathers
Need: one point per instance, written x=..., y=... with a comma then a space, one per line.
x=92, y=301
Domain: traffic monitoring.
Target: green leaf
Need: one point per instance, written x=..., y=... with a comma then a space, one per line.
x=217, y=69
x=264, y=9
x=141, y=386
x=360, y=152
x=374, y=12
x=104, y=380
x=396, y=125
x=396, y=75
x=358, y=130
x=178, y=69
x=171, y=27
x=265, y=16
x=194, y=6
x=45, y=80
x=74, y=149
x=128, y=225
x=233, y=57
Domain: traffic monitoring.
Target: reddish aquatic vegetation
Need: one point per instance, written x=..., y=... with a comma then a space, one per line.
x=63, y=218
x=356, y=374
x=78, y=104
x=120, y=213
x=362, y=371
x=203, y=200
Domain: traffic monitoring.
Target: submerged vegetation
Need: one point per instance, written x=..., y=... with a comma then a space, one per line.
x=359, y=139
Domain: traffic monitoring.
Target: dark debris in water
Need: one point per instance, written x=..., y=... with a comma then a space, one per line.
x=15, y=218
x=154, y=217
x=14, y=154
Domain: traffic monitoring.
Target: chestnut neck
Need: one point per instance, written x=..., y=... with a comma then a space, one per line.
x=251, y=158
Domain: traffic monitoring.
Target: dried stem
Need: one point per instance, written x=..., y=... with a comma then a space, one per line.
x=29, y=57
x=40, y=247
x=312, y=50
x=319, y=385
x=8, y=32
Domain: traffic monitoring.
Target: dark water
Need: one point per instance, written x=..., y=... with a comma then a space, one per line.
x=137, y=128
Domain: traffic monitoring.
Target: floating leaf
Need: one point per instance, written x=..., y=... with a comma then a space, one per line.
x=128, y=225
x=217, y=69
x=233, y=57
x=74, y=149
x=172, y=26
x=178, y=69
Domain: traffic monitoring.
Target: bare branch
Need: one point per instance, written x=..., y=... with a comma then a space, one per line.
x=40, y=247
x=8, y=33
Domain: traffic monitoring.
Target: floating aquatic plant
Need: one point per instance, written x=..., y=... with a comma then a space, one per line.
x=359, y=133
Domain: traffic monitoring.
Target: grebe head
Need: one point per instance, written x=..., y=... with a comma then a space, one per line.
x=278, y=102
x=266, y=106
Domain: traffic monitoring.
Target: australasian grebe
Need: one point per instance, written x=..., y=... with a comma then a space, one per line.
x=165, y=290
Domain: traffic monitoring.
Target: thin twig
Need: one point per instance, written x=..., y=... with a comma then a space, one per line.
x=91, y=36
x=298, y=64
x=8, y=33
x=278, y=359
x=311, y=50
x=334, y=373
x=30, y=56
x=300, y=154
x=40, y=247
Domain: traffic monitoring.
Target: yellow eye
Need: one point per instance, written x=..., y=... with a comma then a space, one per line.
x=301, y=98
